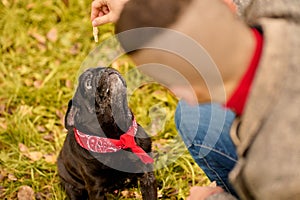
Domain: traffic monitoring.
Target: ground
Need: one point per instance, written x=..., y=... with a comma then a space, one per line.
x=43, y=46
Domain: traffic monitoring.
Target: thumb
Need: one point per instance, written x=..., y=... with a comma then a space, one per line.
x=101, y=20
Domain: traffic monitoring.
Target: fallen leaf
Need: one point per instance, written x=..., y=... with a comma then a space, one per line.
x=12, y=177
x=3, y=175
x=50, y=158
x=69, y=84
x=47, y=71
x=159, y=194
x=3, y=123
x=25, y=193
x=74, y=50
x=30, y=6
x=6, y=3
x=2, y=108
x=61, y=116
x=37, y=84
x=57, y=62
x=23, y=148
x=2, y=189
x=41, y=129
x=40, y=38
x=39, y=196
x=20, y=50
x=42, y=47
x=49, y=137
x=34, y=155
x=137, y=195
x=66, y=2
x=28, y=82
x=52, y=35
x=125, y=193
x=25, y=110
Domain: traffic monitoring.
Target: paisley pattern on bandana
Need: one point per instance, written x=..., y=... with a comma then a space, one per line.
x=94, y=143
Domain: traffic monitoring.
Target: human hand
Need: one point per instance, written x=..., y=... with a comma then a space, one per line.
x=231, y=5
x=105, y=11
x=201, y=193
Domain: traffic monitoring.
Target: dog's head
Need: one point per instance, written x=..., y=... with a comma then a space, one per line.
x=99, y=104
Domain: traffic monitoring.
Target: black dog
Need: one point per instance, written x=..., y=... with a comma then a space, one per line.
x=104, y=149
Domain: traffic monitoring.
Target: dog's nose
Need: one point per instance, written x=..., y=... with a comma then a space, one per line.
x=111, y=71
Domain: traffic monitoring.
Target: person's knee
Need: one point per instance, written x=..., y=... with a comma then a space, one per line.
x=205, y=126
x=187, y=122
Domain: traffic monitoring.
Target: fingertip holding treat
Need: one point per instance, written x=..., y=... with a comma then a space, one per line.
x=94, y=23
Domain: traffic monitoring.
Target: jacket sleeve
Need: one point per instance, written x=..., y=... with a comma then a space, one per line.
x=282, y=9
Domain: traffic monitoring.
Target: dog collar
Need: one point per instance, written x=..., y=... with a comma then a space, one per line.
x=108, y=145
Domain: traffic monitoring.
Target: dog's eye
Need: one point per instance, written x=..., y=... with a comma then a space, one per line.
x=88, y=84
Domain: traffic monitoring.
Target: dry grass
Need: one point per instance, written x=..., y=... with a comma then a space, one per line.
x=43, y=45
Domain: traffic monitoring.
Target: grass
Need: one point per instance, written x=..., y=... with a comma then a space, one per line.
x=43, y=46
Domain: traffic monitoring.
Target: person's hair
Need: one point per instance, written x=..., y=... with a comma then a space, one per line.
x=148, y=13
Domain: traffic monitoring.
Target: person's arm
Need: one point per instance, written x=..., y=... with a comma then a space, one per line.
x=106, y=11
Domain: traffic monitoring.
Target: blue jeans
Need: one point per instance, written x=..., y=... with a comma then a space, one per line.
x=205, y=131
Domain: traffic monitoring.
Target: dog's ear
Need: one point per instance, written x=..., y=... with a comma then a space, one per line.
x=70, y=116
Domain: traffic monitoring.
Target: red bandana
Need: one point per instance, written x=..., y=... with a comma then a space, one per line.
x=107, y=145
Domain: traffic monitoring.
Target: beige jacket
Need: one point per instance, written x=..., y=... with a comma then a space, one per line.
x=269, y=146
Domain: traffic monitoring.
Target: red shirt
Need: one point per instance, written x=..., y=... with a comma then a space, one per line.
x=239, y=97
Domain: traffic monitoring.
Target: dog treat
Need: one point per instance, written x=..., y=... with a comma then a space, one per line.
x=95, y=33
